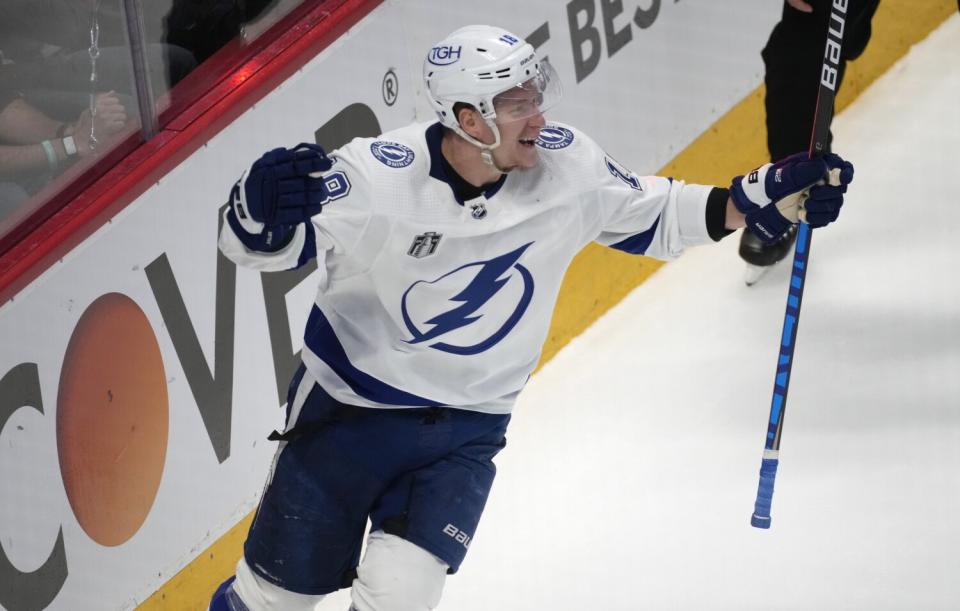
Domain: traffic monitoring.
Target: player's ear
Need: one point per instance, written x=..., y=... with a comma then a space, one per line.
x=469, y=119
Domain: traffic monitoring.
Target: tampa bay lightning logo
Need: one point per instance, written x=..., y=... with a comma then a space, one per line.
x=501, y=286
x=392, y=154
x=554, y=137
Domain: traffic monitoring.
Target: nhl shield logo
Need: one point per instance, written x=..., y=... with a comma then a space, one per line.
x=425, y=244
x=478, y=210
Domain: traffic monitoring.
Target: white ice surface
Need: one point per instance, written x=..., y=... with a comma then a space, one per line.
x=632, y=466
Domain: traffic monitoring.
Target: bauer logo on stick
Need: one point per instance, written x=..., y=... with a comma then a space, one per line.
x=831, y=57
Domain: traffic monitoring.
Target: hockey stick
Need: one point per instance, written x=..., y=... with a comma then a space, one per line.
x=788, y=338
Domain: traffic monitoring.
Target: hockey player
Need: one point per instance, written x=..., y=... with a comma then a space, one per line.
x=441, y=249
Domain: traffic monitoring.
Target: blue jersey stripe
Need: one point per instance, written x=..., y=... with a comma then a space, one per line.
x=321, y=339
x=638, y=244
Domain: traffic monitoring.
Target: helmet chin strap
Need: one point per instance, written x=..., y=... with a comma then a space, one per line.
x=486, y=150
x=486, y=153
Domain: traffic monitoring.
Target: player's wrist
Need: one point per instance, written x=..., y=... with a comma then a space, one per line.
x=767, y=223
x=241, y=209
x=273, y=238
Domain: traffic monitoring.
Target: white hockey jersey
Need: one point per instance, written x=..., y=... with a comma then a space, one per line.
x=425, y=300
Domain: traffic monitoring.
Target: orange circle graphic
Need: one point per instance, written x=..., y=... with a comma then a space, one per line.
x=112, y=419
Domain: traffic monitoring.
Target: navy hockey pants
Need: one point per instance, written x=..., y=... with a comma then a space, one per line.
x=422, y=474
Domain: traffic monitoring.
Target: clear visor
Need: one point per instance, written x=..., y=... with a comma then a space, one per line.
x=529, y=98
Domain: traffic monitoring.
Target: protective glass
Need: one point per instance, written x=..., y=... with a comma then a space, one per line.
x=529, y=98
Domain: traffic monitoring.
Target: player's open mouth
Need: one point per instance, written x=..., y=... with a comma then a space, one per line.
x=528, y=141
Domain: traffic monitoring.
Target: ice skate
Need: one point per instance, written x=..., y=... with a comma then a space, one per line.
x=761, y=258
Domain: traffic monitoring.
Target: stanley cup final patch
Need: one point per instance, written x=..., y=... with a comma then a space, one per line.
x=425, y=244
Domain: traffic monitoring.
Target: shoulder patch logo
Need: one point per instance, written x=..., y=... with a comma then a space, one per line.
x=553, y=137
x=392, y=154
x=623, y=174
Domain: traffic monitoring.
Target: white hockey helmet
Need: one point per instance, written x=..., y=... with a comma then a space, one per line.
x=492, y=70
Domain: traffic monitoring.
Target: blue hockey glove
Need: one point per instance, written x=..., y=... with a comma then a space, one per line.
x=777, y=195
x=279, y=190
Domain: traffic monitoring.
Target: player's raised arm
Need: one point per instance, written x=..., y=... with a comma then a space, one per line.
x=661, y=217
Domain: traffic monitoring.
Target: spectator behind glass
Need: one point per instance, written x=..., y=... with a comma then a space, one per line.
x=46, y=69
x=205, y=26
x=35, y=147
x=49, y=43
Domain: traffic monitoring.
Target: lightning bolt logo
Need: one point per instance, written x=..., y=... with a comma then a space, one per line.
x=393, y=151
x=492, y=276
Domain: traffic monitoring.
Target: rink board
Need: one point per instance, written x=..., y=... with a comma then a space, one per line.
x=140, y=375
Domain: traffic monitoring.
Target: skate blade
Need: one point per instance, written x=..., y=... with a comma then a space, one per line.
x=754, y=273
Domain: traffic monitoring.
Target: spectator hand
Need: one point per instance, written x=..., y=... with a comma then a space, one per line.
x=777, y=195
x=280, y=189
x=110, y=117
